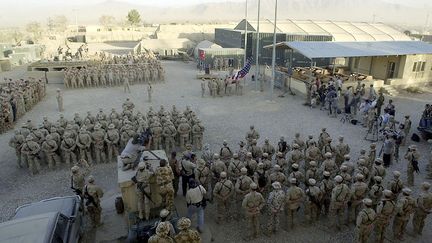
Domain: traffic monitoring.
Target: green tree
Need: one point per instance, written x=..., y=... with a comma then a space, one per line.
x=107, y=21
x=133, y=17
x=35, y=29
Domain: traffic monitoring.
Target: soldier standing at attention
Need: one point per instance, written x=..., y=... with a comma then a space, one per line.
x=59, y=98
x=186, y=234
x=294, y=197
x=404, y=208
x=276, y=204
x=93, y=194
x=164, y=178
x=339, y=199
x=365, y=220
x=424, y=207
x=385, y=211
x=223, y=192
x=253, y=203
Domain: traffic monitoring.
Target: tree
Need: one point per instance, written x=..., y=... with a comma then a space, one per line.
x=35, y=29
x=107, y=21
x=133, y=17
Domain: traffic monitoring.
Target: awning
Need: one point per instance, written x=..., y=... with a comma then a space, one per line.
x=332, y=49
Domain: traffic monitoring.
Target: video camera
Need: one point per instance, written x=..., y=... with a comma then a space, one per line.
x=145, y=137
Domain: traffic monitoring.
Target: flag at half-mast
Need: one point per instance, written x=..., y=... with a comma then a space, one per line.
x=245, y=70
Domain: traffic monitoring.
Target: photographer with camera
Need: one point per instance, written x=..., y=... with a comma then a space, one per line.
x=133, y=149
x=388, y=149
x=196, y=202
x=187, y=168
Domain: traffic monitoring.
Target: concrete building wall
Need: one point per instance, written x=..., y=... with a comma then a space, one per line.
x=410, y=76
x=380, y=65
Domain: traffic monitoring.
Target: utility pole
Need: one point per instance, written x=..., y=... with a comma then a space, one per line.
x=246, y=34
x=76, y=19
x=274, y=53
x=257, y=47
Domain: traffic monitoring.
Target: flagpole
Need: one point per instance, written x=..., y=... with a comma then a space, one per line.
x=246, y=34
x=274, y=54
x=257, y=47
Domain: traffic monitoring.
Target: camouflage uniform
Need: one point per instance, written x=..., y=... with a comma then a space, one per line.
x=197, y=134
x=50, y=147
x=342, y=149
x=112, y=138
x=252, y=203
x=376, y=191
x=268, y=148
x=223, y=192
x=93, y=206
x=313, y=200
x=183, y=130
x=359, y=191
x=202, y=174
x=385, y=211
x=251, y=135
x=77, y=180
x=98, y=137
x=142, y=177
x=84, y=141
x=169, y=133
x=186, y=235
x=365, y=220
x=412, y=157
x=395, y=185
x=424, y=207
x=276, y=204
x=162, y=234
x=234, y=168
x=293, y=197
x=31, y=150
x=68, y=146
x=278, y=176
x=339, y=199
x=242, y=187
x=405, y=206
x=16, y=142
x=164, y=178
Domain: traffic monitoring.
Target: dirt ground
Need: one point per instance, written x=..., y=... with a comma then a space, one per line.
x=226, y=118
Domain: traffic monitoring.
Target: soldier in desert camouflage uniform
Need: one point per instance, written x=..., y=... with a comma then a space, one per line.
x=186, y=235
x=164, y=178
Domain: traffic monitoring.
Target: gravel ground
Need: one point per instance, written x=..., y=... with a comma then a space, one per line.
x=224, y=118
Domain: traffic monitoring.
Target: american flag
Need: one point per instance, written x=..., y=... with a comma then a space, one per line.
x=245, y=70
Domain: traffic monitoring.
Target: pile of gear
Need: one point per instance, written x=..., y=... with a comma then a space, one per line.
x=98, y=139
x=313, y=175
x=18, y=97
x=116, y=71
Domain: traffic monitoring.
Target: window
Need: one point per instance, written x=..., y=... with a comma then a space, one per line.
x=419, y=66
x=423, y=66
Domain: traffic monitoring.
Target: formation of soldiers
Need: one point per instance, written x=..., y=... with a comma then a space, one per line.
x=312, y=175
x=16, y=98
x=116, y=71
x=221, y=87
x=99, y=138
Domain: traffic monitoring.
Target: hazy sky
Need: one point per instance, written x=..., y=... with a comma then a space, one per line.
x=175, y=2
x=142, y=2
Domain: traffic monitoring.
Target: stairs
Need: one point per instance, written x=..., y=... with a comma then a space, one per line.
x=390, y=91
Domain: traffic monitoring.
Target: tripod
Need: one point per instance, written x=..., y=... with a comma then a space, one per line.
x=346, y=118
x=372, y=133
